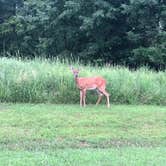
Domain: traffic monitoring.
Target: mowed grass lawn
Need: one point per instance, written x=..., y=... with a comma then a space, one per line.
x=67, y=135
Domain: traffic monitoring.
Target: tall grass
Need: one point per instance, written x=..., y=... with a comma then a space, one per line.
x=52, y=81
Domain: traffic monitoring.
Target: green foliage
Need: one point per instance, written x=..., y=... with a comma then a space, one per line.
x=93, y=31
x=45, y=81
x=155, y=56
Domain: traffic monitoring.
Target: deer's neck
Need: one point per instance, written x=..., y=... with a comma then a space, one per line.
x=76, y=81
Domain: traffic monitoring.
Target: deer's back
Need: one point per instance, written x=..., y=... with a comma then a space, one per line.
x=90, y=82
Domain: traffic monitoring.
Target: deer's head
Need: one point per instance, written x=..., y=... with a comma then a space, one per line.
x=75, y=72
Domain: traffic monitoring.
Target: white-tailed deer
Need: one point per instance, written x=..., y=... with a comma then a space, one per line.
x=90, y=83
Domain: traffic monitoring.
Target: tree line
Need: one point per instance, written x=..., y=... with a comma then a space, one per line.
x=120, y=32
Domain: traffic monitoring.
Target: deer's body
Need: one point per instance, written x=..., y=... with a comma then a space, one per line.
x=91, y=83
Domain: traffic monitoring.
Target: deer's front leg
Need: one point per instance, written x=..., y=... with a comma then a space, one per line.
x=84, y=97
x=81, y=97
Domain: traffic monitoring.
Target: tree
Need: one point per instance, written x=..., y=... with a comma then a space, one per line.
x=125, y=32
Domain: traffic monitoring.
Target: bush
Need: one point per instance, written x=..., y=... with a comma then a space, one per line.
x=154, y=57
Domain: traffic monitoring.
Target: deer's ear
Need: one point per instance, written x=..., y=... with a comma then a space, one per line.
x=79, y=69
x=71, y=68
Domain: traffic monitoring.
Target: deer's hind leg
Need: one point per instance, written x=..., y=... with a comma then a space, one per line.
x=106, y=94
x=100, y=95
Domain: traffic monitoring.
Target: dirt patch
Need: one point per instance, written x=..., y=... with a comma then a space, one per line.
x=41, y=144
x=128, y=143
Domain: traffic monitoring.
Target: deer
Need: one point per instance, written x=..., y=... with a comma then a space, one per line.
x=97, y=83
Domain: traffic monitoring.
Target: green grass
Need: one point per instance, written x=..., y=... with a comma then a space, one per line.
x=87, y=157
x=39, y=81
x=49, y=134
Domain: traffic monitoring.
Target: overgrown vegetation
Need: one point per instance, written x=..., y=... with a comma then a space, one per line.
x=52, y=81
x=123, y=32
x=48, y=134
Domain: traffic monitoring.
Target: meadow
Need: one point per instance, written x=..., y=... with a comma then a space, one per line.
x=41, y=122
x=38, y=81
x=67, y=135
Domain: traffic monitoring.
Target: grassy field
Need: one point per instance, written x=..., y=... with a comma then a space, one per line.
x=67, y=135
x=39, y=81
